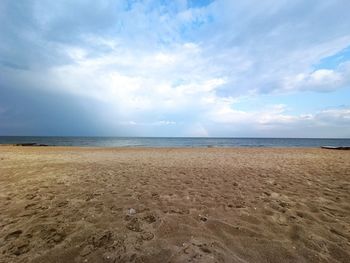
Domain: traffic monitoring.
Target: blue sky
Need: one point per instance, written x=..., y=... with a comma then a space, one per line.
x=273, y=68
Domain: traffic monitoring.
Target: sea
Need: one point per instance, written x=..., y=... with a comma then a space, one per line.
x=173, y=141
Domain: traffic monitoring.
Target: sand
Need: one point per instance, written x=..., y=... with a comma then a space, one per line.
x=61, y=204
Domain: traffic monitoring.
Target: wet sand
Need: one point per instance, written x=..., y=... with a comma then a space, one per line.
x=61, y=204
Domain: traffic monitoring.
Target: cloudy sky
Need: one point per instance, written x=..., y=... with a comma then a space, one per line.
x=272, y=68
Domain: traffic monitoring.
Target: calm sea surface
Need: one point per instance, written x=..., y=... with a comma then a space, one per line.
x=174, y=142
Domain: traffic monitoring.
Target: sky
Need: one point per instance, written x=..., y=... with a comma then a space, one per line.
x=222, y=68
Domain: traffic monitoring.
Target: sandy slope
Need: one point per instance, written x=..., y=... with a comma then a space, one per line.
x=188, y=205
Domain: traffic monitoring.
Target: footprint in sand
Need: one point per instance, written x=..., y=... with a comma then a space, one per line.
x=146, y=236
x=149, y=218
x=113, y=245
x=50, y=234
x=19, y=247
x=62, y=203
x=102, y=239
x=54, y=237
x=13, y=235
x=134, y=225
x=193, y=252
x=30, y=206
x=30, y=196
x=15, y=244
x=136, y=220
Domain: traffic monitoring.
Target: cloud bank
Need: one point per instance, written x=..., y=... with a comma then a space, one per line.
x=184, y=68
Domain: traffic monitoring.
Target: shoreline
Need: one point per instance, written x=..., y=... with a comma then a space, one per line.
x=173, y=147
x=145, y=142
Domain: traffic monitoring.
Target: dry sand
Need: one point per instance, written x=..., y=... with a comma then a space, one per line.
x=174, y=205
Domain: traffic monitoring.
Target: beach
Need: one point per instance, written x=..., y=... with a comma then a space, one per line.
x=75, y=204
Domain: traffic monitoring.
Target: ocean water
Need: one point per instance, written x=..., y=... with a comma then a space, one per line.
x=173, y=142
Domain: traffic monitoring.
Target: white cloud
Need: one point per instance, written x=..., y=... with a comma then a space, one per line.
x=274, y=114
x=340, y=117
x=320, y=80
x=275, y=118
x=156, y=123
x=154, y=64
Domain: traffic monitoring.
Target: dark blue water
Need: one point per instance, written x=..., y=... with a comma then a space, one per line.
x=174, y=142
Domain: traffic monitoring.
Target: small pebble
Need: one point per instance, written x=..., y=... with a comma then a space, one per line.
x=131, y=211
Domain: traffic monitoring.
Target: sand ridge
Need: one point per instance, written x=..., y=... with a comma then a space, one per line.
x=70, y=204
